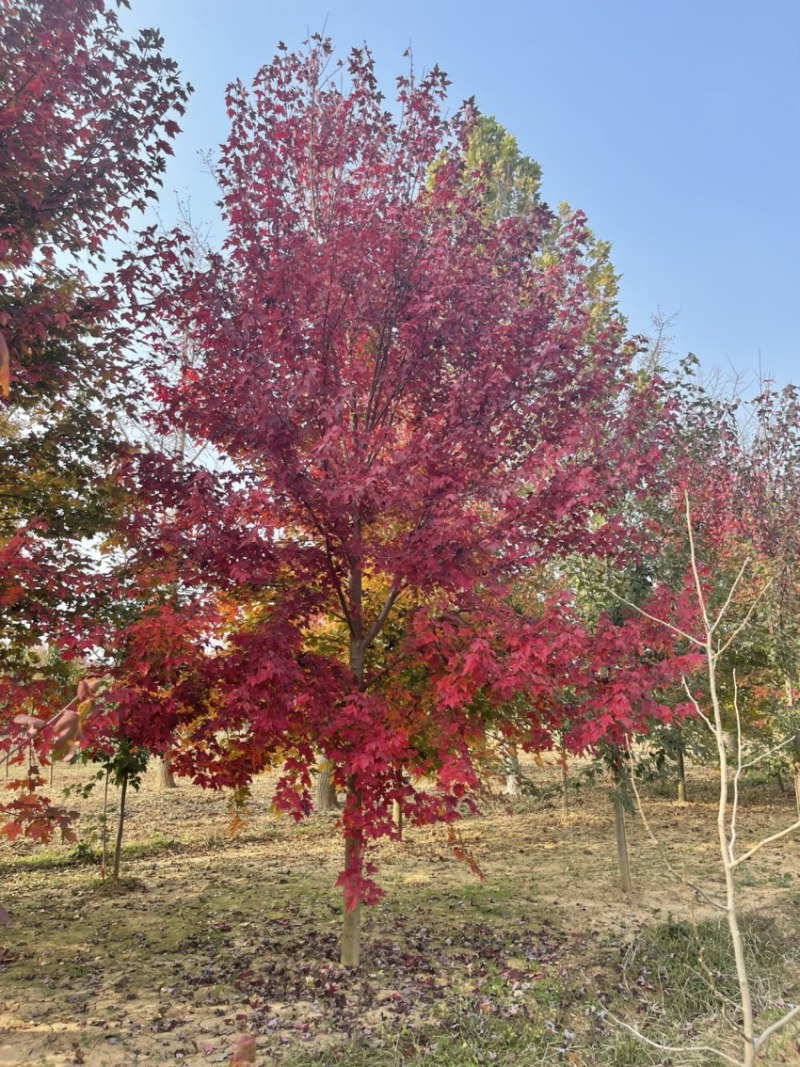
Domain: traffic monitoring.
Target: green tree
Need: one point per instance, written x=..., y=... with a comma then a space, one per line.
x=512, y=187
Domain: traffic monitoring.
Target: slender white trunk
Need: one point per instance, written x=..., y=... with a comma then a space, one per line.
x=726, y=852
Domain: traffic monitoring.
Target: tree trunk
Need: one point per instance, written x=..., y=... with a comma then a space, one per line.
x=325, y=799
x=619, y=819
x=104, y=830
x=796, y=746
x=397, y=818
x=564, y=779
x=681, y=774
x=512, y=769
x=360, y=641
x=120, y=826
x=622, y=845
x=726, y=853
x=351, y=925
x=166, y=779
x=564, y=793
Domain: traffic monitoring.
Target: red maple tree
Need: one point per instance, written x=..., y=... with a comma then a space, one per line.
x=413, y=410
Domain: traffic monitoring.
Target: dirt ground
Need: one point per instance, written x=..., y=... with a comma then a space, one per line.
x=210, y=936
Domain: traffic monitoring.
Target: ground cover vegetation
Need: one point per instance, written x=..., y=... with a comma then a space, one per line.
x=431, y=515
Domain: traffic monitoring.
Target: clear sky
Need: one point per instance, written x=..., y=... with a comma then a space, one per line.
x=675, y=125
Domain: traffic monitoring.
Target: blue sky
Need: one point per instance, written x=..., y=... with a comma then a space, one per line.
x=674, y=125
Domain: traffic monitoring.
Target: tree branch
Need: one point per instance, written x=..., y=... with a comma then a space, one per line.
x=701, y=599
x=683, y=1049
x=765, y=1035
x=766, y=841
x=729, y=598
x=654, y=618
x=375, y=629
x=744, y=621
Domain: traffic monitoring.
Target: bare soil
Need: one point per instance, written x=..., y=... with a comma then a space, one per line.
x=210, y=936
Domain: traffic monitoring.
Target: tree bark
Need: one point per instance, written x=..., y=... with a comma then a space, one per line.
x=104, y=830
x=622, y=846
x=120, y=827
x=726, y=850
x=397, y=818
x=795, y=746
x=361, y=638
x=351, y=924
x=564, y=778
x=166, y=779
x=619, y=821
x=512, y=769
x=351, y=921
x=681, y=773
x=325, y=799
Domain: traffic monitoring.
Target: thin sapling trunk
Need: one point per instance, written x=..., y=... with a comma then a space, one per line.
x=622, y=845
x=564, y=779
x=620, y=832
x=120, y=826
x=681, y=773
x=104, y=829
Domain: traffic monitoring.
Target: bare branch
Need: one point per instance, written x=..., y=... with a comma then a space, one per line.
x=766, y=841
x=654, y=618
x=766, y=755
x=701, y=599
x=765, y=1035
x=683, y=1049
x=738, y=774
x=744, y=621
x=697, y=707
x=729, y=598
x=375, y=629
x=35, y=733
